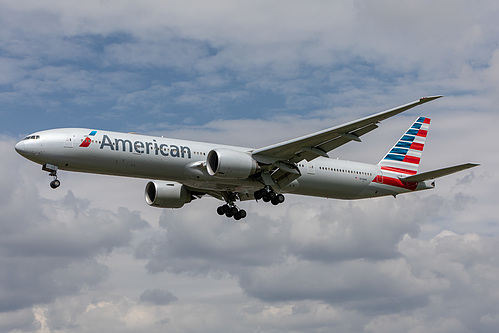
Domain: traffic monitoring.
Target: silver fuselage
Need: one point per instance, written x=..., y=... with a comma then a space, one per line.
x=183, y=161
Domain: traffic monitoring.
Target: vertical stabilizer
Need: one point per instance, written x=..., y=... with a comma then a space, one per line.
x=405, y=155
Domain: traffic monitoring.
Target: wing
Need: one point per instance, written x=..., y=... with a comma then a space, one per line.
x=317, y=144
x=278, y=161
x=437, y=173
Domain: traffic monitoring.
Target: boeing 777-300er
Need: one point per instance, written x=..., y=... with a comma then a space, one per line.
x=181, y=170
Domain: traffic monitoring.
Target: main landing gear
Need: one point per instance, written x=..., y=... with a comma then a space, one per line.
x=230, y=209
x=52, y=169
x=269, y=195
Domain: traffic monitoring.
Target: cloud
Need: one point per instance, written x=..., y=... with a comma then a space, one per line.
x=49, y=250
x=157, y=296
x=18, y=320
x=109, y=62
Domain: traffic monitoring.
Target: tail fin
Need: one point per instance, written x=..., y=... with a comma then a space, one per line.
x=405, y=155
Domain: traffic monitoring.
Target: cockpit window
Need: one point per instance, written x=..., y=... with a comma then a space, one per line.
x=32, y=137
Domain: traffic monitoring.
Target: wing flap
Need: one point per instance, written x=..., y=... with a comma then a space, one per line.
x=437, y=173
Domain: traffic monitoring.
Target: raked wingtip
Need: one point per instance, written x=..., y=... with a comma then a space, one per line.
x=429, y=98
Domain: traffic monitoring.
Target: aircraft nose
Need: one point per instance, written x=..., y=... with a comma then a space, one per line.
x=20, y=147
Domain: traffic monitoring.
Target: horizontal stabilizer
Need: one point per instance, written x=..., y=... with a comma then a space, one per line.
x=437, y=173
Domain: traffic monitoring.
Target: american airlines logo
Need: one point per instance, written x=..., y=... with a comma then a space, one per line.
x=141, y=147
x=85, y=143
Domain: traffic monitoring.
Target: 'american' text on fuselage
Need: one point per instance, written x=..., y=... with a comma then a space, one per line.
x=140, y=147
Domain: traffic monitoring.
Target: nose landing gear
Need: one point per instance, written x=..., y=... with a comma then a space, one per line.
x=52, y=169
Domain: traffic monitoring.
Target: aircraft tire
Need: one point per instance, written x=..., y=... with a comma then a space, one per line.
x=55, y=184
x=241, y=214
x=258, y=195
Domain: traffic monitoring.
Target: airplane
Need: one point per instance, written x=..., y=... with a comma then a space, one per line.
x=181, y=170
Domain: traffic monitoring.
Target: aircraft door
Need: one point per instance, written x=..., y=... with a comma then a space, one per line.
x=379, y=177
x=310, y=168
x=69, y=141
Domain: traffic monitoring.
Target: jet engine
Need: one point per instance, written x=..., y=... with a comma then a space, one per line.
x=230, y=164
x=167, y=195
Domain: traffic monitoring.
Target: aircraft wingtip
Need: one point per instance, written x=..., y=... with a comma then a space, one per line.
x=429, y=98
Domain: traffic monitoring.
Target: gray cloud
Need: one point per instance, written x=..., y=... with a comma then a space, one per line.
x=49, y=249
x=157, y=296
x=23, y=320
x=301, y=263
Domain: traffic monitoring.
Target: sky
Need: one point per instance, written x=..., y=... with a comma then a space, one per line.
x=91, y=256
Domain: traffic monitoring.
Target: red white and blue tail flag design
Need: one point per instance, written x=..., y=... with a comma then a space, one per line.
x=403, y=159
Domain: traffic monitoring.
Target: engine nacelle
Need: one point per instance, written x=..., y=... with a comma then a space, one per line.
x=167, y=195
x=231, y=164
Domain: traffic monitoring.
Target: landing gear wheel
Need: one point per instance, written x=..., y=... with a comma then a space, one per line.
x=280, y=198
x=227, y=210
x=258, y=195
x=230, y=209
x=52, y=169
x=241, y=214
x=55, y=184
x=269, y=195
